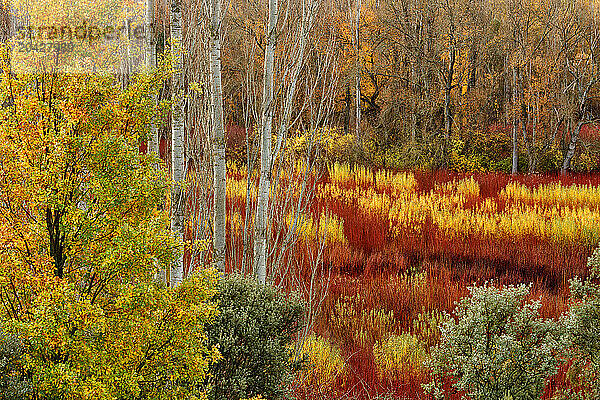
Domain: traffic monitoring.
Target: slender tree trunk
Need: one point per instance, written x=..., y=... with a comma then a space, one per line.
x=571, y=149
x=219, y=166
x=448, y=98
x=348, y=101
x=528, y=149
x=150, y=60
x=7, y=29
x=447, y=105
x=177, y=140
x=288, y=105
x=534, y=152
x=413, y=111
x=6, y=17
x=126, y=67
x=264, y=185
x=472, y=79
x=357, y=43
x=150, y=65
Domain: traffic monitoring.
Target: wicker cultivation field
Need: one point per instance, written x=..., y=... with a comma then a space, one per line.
x=399, y=248
x=300, y=200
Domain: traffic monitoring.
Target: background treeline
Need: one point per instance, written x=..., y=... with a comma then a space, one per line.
x=470, y=85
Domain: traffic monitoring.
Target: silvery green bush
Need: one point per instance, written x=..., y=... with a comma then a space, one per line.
x=497, y=346
x=254, y=330
x=582, y=324
x=14, y=383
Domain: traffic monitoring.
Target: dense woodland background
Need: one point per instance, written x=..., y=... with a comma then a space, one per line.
x=481, y=78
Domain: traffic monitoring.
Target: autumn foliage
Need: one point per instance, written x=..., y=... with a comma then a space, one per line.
x=83, y=236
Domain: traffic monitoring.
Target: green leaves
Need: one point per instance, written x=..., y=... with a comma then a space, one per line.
x=498, y=347
x=582, y=324
x=148, y=341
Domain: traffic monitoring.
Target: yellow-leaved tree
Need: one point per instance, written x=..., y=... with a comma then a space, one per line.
x=82, y=237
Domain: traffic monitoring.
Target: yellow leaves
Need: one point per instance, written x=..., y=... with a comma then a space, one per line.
x=325, y=363
x=552, y=194
x=302, y=224
x=237, y=189
x=77, y=162
x=366, y=325
x=343, y=174
x=363, y=175
x=340, y=173
x=468, y=187
x=398, y=183
x=328, y=230
x=331, y=229
x=75, y=192
x=375, y=203
x=399, y=355
x=461, y=162
x=257, y=397
x=331, y=142
x=236, y=222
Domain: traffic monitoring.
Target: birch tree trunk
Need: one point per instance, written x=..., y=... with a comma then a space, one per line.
x=150, y=61
x=150, y=65
x=126, y=68
x=447, y=116
x=288, y=104
x=264, y=185
x=219, y=166
x=7, y=25
x=347, y=107
x=177, y=140
x=571, y=149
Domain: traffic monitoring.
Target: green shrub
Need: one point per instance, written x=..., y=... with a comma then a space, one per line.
x=253, y=330
x=582, y=324
x=497, y=348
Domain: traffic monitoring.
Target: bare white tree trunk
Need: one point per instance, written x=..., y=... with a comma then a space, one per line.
x=126, y=68
x=585, y=72
x=264, y=186
x=150, y=60
x=150, y=65
x=448, y=101
x=571, y=149
x=309, y=9
x=219, y=166
x=177, y=140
